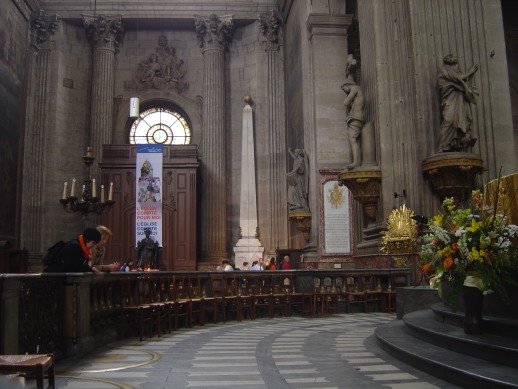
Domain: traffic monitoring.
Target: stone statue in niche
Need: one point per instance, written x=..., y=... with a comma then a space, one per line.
x=298, y=181
x=458, y=93
x=163, y=69
x=354, y=105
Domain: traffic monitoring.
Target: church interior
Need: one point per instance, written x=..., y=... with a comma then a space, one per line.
x=70, y=70
x=286, y=127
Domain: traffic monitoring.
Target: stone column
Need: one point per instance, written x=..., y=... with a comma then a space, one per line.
x=43, y=27
x=270, y=27
x=105, y=35
x=214, y=34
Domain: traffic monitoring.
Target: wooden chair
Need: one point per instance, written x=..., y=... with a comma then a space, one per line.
x=37, y=364
x=232, y=302
x=319, y=297
x=280, y=289
x=354, y=293
x=182, y=305
x=196, y=296
x=297, y=302
x=262, y=295
x=373, y=293
x=332, y=296
x=245, y=299
x=134, y=314
x=150, y=295
x=218, y=291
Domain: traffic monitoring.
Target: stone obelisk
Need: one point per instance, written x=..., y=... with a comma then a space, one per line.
x=248, y=248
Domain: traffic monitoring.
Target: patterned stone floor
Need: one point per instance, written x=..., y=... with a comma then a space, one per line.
x=336, y=351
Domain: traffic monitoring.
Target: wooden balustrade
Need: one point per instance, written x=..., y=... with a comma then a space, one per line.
x=72, y=314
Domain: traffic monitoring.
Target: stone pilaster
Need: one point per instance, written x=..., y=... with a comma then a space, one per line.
x=42, y=28
x=214, y=34
x=270, y=26
x=105, y=35
x=325, y=124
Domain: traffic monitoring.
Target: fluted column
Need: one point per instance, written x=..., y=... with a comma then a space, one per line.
x=214, y=34
x=277, y=234
x=43, y=27
x=104, y=34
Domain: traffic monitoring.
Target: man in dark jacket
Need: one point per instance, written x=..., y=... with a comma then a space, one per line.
x=73, y=257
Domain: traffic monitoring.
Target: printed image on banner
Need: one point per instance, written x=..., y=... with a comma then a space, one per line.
x=149, y=192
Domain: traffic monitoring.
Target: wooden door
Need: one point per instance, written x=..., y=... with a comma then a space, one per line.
x=178, y=205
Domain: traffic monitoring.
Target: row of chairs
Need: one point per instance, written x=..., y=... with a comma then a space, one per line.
x=360, y=292
x=154, y=305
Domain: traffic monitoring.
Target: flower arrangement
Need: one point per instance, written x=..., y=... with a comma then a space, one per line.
x=473, y=246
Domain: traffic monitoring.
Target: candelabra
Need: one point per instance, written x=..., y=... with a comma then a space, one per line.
x=88, y=202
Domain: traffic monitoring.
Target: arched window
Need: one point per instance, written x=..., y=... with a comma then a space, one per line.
x=160, y=125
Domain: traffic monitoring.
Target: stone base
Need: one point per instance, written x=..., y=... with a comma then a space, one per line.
x=247, y=253
x=492, y=304
x=411, y=299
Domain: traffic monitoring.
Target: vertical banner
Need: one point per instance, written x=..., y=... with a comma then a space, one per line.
x=149, y=192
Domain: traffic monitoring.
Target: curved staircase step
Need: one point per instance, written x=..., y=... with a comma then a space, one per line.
x=460, y=369
x=488, y=346
x=492, y=324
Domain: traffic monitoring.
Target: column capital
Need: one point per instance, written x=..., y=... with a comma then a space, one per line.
x=328, y=24
x=215, y=32
x=42, y=27
x=270, y=26
x=104, y=31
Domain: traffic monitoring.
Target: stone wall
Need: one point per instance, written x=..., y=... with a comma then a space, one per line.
x=13, y=59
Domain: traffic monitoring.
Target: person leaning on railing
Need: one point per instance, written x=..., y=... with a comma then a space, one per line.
x=74, y=256
x=99, y=253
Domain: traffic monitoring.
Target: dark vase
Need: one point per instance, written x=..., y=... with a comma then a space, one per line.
x=473, y=299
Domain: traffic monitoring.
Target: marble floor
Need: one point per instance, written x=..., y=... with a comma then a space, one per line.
x=337, y=351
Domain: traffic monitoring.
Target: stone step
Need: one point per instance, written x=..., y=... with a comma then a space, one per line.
x=489, y=346
x=504, y=326
x=460, y=369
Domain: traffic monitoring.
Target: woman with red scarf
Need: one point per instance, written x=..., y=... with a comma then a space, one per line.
x=75, y=254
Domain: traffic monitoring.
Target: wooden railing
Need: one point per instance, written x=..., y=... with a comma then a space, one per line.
x=73, y=313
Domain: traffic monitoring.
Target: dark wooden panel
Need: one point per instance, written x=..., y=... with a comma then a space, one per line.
x=179, y=221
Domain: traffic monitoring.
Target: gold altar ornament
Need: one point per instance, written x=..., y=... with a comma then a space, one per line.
x=401, y=234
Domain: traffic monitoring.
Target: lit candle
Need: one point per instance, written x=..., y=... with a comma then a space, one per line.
x=73, y=190
x=94, y=188
x=110, y=195
x=83, y=191
x=102, y=193
x=65, y=190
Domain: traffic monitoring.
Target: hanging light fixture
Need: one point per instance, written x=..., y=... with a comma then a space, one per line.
x=89, y=200
x=134, y=109
x=134, y=105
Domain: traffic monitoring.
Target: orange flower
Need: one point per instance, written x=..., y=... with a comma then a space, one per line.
x=455, y=246
x=447, y=263
x=425, y=268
